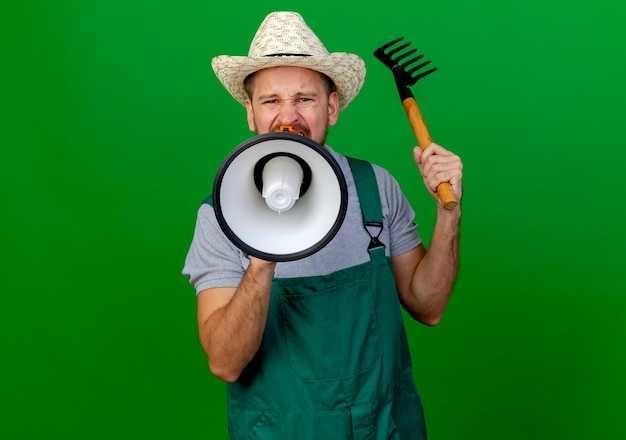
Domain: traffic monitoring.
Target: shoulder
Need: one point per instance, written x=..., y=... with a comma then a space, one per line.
x=383, y=176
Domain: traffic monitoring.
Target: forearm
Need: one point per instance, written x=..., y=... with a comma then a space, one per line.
x=434, y=277
x=232, y=334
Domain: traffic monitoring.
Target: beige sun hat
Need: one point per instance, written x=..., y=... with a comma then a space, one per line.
x=284, y=39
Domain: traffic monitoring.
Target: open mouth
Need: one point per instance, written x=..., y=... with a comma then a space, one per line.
x=289, y=129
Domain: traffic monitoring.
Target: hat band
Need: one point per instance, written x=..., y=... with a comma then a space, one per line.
x=288, y=55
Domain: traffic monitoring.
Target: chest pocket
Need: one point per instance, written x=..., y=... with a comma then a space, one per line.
x=331, y=333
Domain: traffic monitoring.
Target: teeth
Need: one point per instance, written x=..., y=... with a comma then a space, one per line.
x=289, y=129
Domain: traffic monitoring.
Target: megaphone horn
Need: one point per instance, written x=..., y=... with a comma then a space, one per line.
x=280, y=196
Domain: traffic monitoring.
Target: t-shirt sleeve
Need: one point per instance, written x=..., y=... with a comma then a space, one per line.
x=398, y=214
x=212, y=260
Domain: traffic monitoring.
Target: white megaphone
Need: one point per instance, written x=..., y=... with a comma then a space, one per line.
x=280, y=196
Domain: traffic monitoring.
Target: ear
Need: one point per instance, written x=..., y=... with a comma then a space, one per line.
x=333, y=108
x=250, y=115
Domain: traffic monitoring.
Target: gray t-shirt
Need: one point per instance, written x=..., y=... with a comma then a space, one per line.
x=213, y=261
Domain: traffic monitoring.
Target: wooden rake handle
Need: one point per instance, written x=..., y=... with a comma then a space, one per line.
x=448, y=198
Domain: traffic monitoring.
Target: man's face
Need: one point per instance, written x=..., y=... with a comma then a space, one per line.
x=292, y=96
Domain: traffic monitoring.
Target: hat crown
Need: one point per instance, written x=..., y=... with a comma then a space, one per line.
x=285, y=33
x=284, y=39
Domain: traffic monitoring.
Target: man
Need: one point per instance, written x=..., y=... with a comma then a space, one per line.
x=316, y=348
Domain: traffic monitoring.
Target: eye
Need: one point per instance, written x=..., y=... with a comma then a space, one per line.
x=270, y=101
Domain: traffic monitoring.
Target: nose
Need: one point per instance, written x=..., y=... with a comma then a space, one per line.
x=288, y=114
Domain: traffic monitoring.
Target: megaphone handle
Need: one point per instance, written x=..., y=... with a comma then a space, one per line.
x=448, y=198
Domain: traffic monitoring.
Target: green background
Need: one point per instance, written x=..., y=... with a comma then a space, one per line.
x=112, y=126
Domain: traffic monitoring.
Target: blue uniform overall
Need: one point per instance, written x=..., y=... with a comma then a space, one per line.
x=334, y=361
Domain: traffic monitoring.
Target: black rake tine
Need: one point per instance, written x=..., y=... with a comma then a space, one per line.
x=416, y=68
x=423, y=74
x=406, y=54
x=413, y=60
x=392, y=52
x=391, y=43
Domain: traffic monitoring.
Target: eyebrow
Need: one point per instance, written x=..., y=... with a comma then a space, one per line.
x=295, y=96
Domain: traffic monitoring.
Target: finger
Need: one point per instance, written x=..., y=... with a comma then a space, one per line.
x=440, y=169
x=438, y=162
x=426, y=152
x=417, y=156
x=452, y=176
x=434, y=149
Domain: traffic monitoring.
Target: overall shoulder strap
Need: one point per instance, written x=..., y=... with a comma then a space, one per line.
x=369, y=199
x=209, y=200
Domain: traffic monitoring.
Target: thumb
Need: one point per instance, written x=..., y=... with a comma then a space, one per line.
x=417, y=155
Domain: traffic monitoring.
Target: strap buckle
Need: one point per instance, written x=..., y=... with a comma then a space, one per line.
x=375, y=240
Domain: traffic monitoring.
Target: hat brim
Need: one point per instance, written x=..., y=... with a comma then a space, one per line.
x=346, y=70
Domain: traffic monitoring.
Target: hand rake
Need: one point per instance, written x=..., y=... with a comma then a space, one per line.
x=403, y=74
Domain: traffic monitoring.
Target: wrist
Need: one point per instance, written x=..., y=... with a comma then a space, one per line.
x=262, y=265
x=452, y=216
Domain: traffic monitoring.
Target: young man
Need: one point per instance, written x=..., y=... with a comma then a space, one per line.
x=316, y=348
